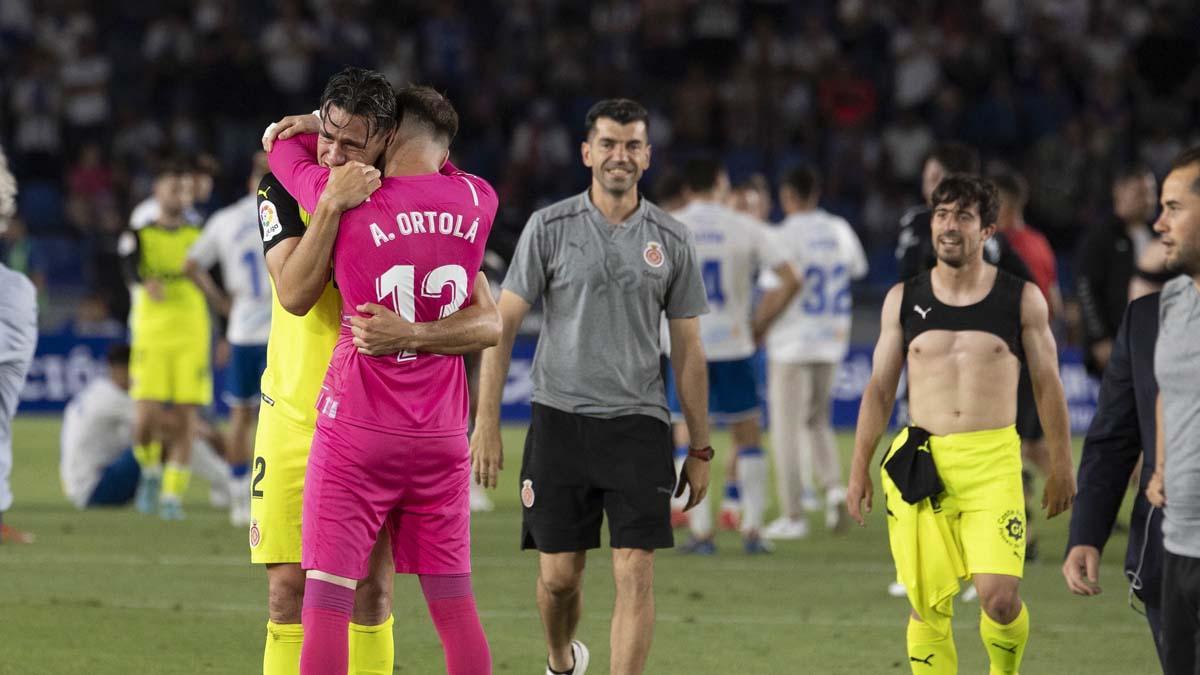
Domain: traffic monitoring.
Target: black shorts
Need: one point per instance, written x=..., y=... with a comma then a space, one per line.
x=577, y=468
x=1029, y=425
x=1180, y=614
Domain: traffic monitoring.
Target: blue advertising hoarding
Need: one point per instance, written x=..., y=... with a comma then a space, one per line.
x=64, y=363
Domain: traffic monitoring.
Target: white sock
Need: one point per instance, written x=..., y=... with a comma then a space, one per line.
x=752, y=474
x=701, y=520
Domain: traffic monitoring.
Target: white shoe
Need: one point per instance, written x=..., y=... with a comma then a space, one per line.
x=480, y=501
x=580, y=652
x=897, y=590
x=239, y=501
x=786, y=528
x=218, y=495
x=837, y=518
x=970, y=595
x=809, y=502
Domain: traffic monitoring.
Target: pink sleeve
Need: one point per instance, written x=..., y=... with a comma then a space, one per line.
x=294, y=163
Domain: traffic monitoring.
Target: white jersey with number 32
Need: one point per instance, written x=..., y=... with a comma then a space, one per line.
x=826, y=255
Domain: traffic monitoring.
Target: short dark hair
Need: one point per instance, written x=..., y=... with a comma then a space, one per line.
x=700, y=173
x=427, y=106
x=205, y=163
x=171, y=165
x=955, y=157
x=1013, y=184
x=619, y=110
x=118, y=354
x=362, y=93
x=668, y=186
x=804, y=179
x=964, y=190
x=1131, y=171
x=1184, y=160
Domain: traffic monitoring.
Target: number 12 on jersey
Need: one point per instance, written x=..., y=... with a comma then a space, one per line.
x=399, y=285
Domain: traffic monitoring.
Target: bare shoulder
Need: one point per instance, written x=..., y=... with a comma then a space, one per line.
x=891, y=302
x=1034, y=310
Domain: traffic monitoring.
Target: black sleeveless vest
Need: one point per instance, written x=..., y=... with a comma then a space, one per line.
x=999, y=313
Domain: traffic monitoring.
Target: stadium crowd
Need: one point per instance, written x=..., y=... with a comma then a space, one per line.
x=1065, y=91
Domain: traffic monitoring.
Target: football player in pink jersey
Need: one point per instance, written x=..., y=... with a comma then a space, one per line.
x=390, y=448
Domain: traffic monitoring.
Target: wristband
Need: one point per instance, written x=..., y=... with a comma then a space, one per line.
x=705, y=454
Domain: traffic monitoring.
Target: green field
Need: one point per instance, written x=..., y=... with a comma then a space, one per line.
x=115, y=592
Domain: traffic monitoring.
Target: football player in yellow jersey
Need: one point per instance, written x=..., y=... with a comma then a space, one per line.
x=358, y=109
x=170, y=346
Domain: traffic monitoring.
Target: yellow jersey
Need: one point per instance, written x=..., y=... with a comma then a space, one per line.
x=299, y=347
x=181, y=316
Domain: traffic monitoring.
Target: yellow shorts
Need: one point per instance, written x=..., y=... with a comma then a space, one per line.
x=277, y=486
x=984, y=502
x=171, y=373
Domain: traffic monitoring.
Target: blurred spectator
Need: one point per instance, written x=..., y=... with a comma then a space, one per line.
x=1031, y=245
x=918, y=68
x=90, y=197
x=541, y=145
x=19, y=253
x=907, y=142
x=85, y=79
x=94, y=320
x=847, y=98
x=1106, y=261
x=36, y=107
x=289, y=44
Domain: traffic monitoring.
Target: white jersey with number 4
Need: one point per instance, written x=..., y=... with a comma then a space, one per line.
x=732, y=248
x=826, y=255
x=232, y=239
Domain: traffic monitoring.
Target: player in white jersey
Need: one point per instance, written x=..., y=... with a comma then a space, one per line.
x=804, y=348
x=96, y=462
x=232, y=239
x=732, y=249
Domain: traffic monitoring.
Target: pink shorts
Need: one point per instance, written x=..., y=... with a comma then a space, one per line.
x=359, y=481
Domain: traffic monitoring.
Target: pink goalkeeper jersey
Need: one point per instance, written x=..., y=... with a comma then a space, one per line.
x=414, y=247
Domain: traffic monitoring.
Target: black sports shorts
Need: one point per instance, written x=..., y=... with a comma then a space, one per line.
x=577, y=468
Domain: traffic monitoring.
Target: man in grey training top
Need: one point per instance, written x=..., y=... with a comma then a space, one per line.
x=607, y=264
x=1177, y=369
x=18, y=339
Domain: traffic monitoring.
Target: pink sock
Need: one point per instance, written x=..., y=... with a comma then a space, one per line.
x=326, y=619
x=452, y=607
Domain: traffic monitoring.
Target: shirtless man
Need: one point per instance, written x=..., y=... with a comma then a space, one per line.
x=963, y=329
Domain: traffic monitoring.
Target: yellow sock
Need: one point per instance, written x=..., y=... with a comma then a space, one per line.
x=929, y=652
x=176, y=480
x=371, y=648
x=282, y=653
x=1005, y=645
x=148, y=455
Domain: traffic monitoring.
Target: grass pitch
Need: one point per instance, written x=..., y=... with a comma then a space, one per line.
x=111, y=591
